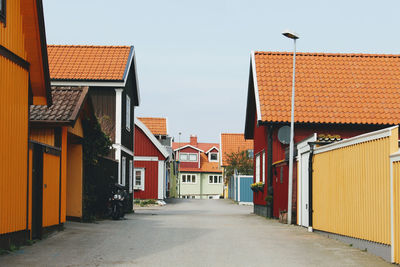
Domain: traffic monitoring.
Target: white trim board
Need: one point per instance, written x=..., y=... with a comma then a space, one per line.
x=255, y=83
x=393, y=158
x=182, y=147
x=152, y=138
x=356, y=140
x=212, y=149
x=139, y=158
x=124, y=149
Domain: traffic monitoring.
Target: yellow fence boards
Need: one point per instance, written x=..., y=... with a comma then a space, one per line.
x=396, y=209
x=51, y=189
x=13, y=146
x=351, y=189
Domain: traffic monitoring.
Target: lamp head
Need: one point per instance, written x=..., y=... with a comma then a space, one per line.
x=290, y=34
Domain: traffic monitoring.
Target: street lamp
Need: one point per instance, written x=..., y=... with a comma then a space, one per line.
x=294, y=37
x=179, y=163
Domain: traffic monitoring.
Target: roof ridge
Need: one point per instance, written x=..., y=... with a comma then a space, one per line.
x=326, y=54
x=90, y=46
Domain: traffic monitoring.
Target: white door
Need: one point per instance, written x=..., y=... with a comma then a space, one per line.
x=304, y=189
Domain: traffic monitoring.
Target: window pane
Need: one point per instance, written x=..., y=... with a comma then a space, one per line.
x=184, y=157
x=210, y=179
x=184, y=178
x=193, y=157
x=219, y=179
x=215, y=179
x=214, y=156
x=193, y=178
x=128, y=113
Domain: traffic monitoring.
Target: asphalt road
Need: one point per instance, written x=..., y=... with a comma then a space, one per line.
x=189, y=233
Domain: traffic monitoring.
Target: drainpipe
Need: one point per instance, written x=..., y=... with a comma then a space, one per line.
x=310, y=187
x=270, y=190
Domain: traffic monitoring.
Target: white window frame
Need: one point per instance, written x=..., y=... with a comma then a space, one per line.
x=130, y=176
x=188, y=155
x=263, y=167
x=142, y=175
x=219, y=178
x=191, y=176
x=258, y=168
x=213, y=160
x=123, y=171
x=128, y=113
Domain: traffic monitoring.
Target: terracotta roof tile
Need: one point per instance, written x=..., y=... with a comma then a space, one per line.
x=76, y=62
x=67, y=102
x=157, y=126
x=206, y=166
x=330, y=88
x=233, y=142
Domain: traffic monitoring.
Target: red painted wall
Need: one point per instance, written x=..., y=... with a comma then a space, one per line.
x=278, y=153
x=150, y=180
x=145, y=148
x=194, y=164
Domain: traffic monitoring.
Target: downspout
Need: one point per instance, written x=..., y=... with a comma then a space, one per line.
x=270, y=190
x=310, y=187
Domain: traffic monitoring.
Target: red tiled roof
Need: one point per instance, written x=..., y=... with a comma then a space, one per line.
x=157, y=126
x=233, y=142
x=330, y=88
x=67, y=102
x=78, y=62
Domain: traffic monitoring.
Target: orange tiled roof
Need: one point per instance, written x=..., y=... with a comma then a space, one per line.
x=79, y=62
x=330, y=88
x=157, y=126
x=205, y=165
x=233, y=142
x=202, y=146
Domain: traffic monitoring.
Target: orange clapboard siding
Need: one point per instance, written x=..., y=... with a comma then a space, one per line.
x=12, y=36
x=51, y=189
x=42, y=135
x=74, y=180
x=351, y=186
x=13, y=146
x=77, y=129
x=30, y=169
x=64, y=137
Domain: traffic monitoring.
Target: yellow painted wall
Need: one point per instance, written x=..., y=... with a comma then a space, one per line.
x=12, y=36
x=64, y=158
x=396, y=210
x=51, y=189
x=77, y=129
x=74, y=180
x=13, y=145
x=351, y=190
x=42, y=135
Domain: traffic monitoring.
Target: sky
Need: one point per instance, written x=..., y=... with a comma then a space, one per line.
x=193, y=57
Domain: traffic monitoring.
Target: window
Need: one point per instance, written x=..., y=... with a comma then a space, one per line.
x=250, y=152
x=188, y=178
x=263, y=168
x=213, y=156
x=3, y=11
x=187, y=157
x=214, y=179
x=130, y=176
x=139, y=179
x=257, y=168
x=123, y=171
x=128, y=113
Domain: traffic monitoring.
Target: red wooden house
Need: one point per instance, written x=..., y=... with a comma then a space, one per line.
x=150, y=165
x=336, y=94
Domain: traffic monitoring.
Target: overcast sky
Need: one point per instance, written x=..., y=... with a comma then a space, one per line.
x=193, y=56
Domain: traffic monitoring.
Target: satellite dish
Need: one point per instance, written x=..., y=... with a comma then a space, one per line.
x=284, y=135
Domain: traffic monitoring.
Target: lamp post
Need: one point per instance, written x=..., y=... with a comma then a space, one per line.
x=294, y=37
x=179, y=161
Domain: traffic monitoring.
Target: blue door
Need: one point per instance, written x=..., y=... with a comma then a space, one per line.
x=246, y=194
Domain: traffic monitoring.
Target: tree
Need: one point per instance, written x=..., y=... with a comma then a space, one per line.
x=240, y=161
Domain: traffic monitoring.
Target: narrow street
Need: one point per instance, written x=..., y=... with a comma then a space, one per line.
x=189, y=233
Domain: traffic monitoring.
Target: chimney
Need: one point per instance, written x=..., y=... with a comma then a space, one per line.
x=193, y=140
